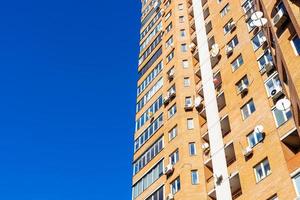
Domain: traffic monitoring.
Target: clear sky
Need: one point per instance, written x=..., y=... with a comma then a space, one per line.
x=68, y=82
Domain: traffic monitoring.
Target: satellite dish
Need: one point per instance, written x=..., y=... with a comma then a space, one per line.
x=259, y=22
x=257, y=15
x=198, y=101
x=283, y=104
x=215, y=50
x=259, y=129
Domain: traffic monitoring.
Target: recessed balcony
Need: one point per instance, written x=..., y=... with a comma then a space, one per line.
x=235, y=186
x=229, y=153
x=225, y=125
x=221, y=101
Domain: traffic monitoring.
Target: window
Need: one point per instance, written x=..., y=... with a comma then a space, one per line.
x=168, y=15
x=148, y=114
x=169, y=42
x=262, y=170
x=188, y=101
x=281, y=116
x=274, y=197
x=181, y=19
x=153, y=74
x=182, y=33
x=180, y=6
x=237, y=62
x=249, y=24
x=147, y=180
x=172, y=133
x=184, y=48
x=233, y=42
x=254, y=138
x=192, y=148
x=172, y=111
x=248, y=109
x=258, y=40
x=175, y=185
x=149, y=95
x=272, y=83
x=228, y=26
x=264, y=59
x=174, y=157
x=145, y=136
x=195, y=177
x=186, y=82
x=157, y=195
x=148, y=155
x=248, y=5
x=185, y=63
x=241, y=83
x=296, y=181
x=225, y=10
x=149, y=38
x=190, y=123
x=168, y=3
x=170, y=56
x=169, y=27
x=296, y=45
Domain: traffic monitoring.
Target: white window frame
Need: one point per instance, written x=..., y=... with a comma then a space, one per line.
x=190, y=124
x=293, y=46
x=248, y=109
x=264, y=171
x=284, y=115
x=173, y=133
x=174, y=156
x=272, y=79
x=174, y=185
x=194, y=182
x=192, y=145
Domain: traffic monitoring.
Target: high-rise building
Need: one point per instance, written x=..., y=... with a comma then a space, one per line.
x=218, y=110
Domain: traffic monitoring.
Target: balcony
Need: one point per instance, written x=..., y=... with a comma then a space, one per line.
x=229, y=153
x=217, y=81
x=196, y=54
x=235, y=186
x=221, y=101
x=191, y=11
x=197, y=73
x=192, y=24
x=225, y=125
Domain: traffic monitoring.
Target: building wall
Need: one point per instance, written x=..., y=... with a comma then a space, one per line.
x=207, y=126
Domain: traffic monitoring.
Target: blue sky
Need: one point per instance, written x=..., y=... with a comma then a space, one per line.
x=68, y=80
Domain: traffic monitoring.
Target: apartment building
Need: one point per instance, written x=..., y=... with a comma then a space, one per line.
x=218, y=109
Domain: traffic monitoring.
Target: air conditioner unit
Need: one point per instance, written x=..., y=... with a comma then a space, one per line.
x=188, y=106
x=297, y=198
x=229, y=50
x=155, y=5
x=166, y=99
x=276, y=92
x=171, y=74
x=218, y=179
x=248, y=151
x=172, y=93
x=232, y=26
x=279, y=18
x=205, y=147
x=170, y=196
x=243, y=88
x=162, y=12
x=269, y=66
x=169, y=169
